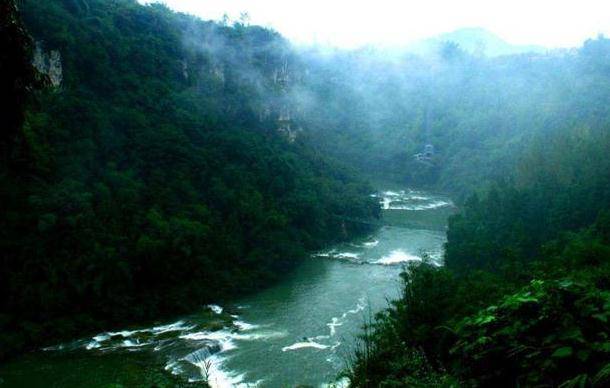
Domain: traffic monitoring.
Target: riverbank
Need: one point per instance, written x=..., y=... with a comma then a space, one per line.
x=307, y=322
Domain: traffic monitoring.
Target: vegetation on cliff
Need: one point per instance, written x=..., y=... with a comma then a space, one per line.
x=153, y=178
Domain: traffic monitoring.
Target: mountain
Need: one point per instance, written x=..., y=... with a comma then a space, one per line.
x=155, y=172
x=474, y=40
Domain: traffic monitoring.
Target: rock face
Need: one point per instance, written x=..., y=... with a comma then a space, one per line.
x=284, y=80
x=218, y=73
x=285, y=125
x=281, y=76
x=48, y=63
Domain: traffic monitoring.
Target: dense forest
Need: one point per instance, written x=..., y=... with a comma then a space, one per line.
x=375, y=109
x=149, y=163
x=152, y=162
x=524, y=296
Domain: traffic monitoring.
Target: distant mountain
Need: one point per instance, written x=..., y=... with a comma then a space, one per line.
x=473, y=40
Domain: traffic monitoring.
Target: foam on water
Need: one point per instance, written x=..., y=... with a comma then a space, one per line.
x=347, y=255
x=397, y=256
x=115, y=340
x=334, y=254
x=93, y=345
x=436, y=258
x=418, y=197
x=122, y=333
x=386, y=203
x=303, y=345
x=415, y=207
x=101, y=337
x=360, y=306
x=365, y=244
x=371, y=244
x=209, y=356
x=244, y=326
x=212, y=366
x=409, y=200
x=339, y=321
x=328, y=253
x=226, y=338
x=176, y=326
x=212, y=370
x=196, y=353
x=390, y=193
x=133, y=344
x=333, y=324
x=328, y=343
x=215, y=308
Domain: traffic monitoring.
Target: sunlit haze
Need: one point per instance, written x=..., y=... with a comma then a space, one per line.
x=549, y=23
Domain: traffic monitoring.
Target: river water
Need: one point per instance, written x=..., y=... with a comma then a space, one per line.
x=298, y=332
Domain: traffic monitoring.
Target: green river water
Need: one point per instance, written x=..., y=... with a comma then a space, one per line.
x=298, y=332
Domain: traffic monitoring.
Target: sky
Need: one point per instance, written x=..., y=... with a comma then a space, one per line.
x=350, y=24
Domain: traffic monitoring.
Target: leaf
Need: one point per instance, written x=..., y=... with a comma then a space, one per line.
x=603, y=376
x=485, y=319
x=537, y=283
x=579, y=381
x=574, y=334
x=566, y=283
x=602, y=347
x=526, y=299
x=491, y=308
x=563, y=352
x=483, y=340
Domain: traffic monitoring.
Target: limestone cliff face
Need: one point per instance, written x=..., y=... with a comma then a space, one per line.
x=284, y=80
x=218, y=73
x=48, y=63
x=286, y=125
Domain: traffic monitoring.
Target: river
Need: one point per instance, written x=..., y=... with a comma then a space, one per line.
x=301, y=331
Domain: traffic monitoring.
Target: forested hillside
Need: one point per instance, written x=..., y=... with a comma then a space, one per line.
x=377, y=109
x=524, y=296
x=152, y=162
x=149, y=175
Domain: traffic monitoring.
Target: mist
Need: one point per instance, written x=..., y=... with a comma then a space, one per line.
x=391, y=23
x=325, y=194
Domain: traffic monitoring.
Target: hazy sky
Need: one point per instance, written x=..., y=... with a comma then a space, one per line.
x=344, y=23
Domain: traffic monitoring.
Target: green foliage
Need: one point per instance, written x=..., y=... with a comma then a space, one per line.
x=154, y=184
x=485, y=329
x=377, y=109
x=412, y=338
x=524, y=295
x=154, y=179
x=548, y=333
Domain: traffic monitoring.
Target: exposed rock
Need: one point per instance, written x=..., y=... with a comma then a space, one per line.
x=218, y=73
x=48, y=63
x=285, y=125
x=281, y=76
